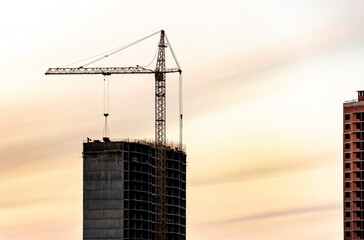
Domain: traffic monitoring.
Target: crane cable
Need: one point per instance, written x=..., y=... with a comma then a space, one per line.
x=180, y=82
x=120, y=49
x=82, y=60
x=113, y=51
x=155, y=55
x=106, y=106
x=174, y=55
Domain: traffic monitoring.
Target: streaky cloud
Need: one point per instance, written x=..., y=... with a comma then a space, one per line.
x=23, y=203
x=280, y=213
x=282, y=167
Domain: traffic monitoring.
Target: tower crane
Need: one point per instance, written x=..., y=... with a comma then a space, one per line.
x=160, y=113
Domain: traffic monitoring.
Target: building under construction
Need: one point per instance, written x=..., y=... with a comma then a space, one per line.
x=353, y=168
x=119, y=199
x=134, y=190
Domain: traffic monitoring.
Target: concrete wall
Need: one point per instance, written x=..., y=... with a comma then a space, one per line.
x=103, y=193
x=119, y=197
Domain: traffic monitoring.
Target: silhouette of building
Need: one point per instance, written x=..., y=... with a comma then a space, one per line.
x=354, y=168
x=119, y=191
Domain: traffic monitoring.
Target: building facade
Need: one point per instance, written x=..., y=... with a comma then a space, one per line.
x=353, y=155
x=119, y=191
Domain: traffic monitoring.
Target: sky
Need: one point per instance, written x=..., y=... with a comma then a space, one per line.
x=264, y=84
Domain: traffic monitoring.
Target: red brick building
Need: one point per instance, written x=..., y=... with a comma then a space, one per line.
x=354, y=168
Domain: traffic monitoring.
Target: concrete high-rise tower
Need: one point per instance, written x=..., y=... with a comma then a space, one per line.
x=119, y=191
x=353, y=168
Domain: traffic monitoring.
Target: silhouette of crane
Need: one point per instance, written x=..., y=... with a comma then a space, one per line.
x=160, y=112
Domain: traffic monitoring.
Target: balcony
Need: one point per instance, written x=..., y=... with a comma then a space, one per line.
x=347, y=196
x=347, y=167
x=355, y=226
x=357, y=235
x=347, y=128
x=355, y=147
x=347, y=148
x=355, y=176
x=357, y=216
x=355, y=206
x=348, y=208
x=356, y=117
x=356, y=156
x=355, y=186
x=355, y=196
x=347, y=216
x=355, y=166
x=356, y=127
x=355, y=137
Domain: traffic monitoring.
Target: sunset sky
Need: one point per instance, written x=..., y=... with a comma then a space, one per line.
x=264, y=84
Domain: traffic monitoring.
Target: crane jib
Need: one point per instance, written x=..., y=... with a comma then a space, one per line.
x=108, y=70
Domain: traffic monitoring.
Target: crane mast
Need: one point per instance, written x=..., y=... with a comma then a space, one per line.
x=160, y=116
x=160, y=141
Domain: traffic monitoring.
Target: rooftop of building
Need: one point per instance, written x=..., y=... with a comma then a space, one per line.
x=113, y=143
x=356, y=102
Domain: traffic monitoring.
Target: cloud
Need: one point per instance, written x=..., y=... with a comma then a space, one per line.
x=231, y=75
x=278, y=168
x=245, y=175
x=280, y=213
x=43, y=229
x=337, y=36
x=22, y=203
